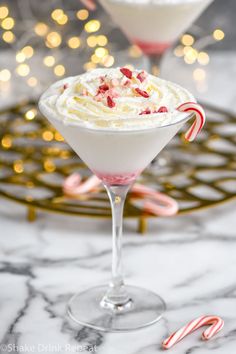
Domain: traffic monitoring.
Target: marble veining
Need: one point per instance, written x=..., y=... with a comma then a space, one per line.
x=183, y=259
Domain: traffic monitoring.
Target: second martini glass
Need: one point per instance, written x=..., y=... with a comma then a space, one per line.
x=154, y=25
x=117, y=157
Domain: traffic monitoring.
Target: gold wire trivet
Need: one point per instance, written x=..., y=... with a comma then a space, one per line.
x=34, y=160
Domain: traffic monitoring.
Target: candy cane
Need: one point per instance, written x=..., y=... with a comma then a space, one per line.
x=154, y=202
x=216, y=325
x=73, y=186
x=199, y=120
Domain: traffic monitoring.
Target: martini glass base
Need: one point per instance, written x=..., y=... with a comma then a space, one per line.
x=145, y=309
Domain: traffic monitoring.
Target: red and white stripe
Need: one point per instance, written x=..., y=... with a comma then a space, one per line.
x=216, y=324
x=73, y=185
x=200, y=118
x=154, y=202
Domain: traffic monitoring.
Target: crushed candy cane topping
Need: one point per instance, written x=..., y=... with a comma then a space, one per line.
x=118, y=98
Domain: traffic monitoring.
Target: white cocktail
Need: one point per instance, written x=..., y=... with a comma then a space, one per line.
x=117, y=121
x=154, y=25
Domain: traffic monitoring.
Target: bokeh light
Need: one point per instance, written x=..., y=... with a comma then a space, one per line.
x=92, y=41
x=203, y=58
x=8, y=37
x=32, y=81
x=59, y=70
x=49, y=165
x=49, y=60
x=8, y=23
x=56, y=14
x=179, y=51
x=18, y=166
x=47, y=135
x=108, y=61
x=23, y=69
x=6, y=141
x=187, y=39
x=59, y=16
x=62, y=20
x=199, y=74
x=92, y=26
x=135, y=51
x=95, y=59
x=3, y=12
x=5, y=75
x=28, y=51
x=30, y=115
x=82, y=14
x=190, y=55
x=101, y=52
x=41, y=29
x=20, y=57
x=53, y=40
x=74, y=42
x=58, y=137
x=89, y=66
x=218, y=34
x=102, y=40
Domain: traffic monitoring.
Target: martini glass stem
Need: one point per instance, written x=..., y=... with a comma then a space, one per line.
x=116, y=298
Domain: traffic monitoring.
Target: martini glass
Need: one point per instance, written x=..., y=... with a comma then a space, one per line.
x=117, y=157
x=154, y=25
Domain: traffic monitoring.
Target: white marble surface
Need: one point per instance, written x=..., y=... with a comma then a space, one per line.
x=189, y=260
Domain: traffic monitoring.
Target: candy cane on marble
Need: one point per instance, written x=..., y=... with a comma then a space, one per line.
x=199, y=119
x=216, y=325
x=154, y=202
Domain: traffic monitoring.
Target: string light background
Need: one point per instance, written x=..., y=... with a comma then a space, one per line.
x=59, y=38
x=40, y=43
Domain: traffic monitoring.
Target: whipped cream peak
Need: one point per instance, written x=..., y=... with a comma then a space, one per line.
x=117, y=98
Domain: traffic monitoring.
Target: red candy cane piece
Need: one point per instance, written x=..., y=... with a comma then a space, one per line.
x=199, y=120
x=110, y=102
x=163, y=109
x=216, y=325
x=126, y=72
x=141, y=92
x=142, y=76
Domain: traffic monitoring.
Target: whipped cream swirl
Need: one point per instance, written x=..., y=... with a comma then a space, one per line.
x=115, y=99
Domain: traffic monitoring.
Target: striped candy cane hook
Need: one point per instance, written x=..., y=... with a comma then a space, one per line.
x=216, y=325
x=199, y=120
